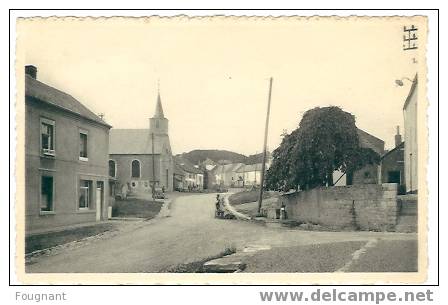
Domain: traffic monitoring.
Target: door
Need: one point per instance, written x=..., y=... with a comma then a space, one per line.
x=98, y=204
x=99, y=199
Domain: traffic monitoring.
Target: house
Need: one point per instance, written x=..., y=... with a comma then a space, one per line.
x=251, y=174
x=66, y=155
x=179, y=182
x=209, y=164
x=227, y=175
x=392, y=164
x=142, y=157
x=410, y=138
x=193, y=175
x=367, y=174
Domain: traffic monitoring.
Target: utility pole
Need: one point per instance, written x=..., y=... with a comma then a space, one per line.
x=263, y=165
x=153, y=167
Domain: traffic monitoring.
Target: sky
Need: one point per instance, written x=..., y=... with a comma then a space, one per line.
x=214, y=74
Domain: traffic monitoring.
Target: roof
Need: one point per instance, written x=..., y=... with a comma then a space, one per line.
x=367, y=140
x=401, y=145
x=60, y=99
x=159, y=108
x=178, y=170
x=133, y=142
x=411, y=92
x=250, y=168
x=228, y=168
x=187, y=166
x=208, y=161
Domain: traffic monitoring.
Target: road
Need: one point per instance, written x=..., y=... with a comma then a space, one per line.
x=190, y=234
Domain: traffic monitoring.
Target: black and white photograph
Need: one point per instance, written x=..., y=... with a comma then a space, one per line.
x=221, y=149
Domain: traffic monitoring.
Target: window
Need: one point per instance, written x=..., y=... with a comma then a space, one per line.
x=47, y=137
x=394, y=177
x=135, y=169
x=112, y=168
x=46, y=194
x=85, y=194
x=83, y=146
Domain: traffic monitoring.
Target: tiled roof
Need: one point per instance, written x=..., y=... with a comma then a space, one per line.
x=55, y=97
x=133, y=142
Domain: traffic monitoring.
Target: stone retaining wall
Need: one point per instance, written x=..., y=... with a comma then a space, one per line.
x=370, y=207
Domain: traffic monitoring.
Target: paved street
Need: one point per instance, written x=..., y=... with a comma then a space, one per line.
x=191, y=234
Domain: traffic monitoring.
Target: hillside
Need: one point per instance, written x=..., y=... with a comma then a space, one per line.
x=198, y=156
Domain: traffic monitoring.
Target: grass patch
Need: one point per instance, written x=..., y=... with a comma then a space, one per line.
x=198, y=266
x=248, y=196
x=52, y=239
x=136, y=208
x=303, y=259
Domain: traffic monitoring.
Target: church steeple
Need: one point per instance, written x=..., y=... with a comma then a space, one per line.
x=159, y=108
x=158, y=124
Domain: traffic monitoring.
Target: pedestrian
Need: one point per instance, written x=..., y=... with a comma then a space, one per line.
x=283, y=211
x=217, y=203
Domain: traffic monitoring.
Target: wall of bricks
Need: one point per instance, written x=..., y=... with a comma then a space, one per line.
x=369, y=207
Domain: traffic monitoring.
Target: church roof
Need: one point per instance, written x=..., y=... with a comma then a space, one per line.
x=133, y=142
x=159, y=108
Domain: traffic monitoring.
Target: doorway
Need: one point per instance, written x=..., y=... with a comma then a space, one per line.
x=99, y=199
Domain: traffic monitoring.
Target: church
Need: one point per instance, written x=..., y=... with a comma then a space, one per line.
x=140, y=157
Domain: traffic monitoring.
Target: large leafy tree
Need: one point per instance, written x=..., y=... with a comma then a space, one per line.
x=326, y=140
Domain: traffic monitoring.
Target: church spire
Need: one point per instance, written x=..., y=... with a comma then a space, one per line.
x=159, y=108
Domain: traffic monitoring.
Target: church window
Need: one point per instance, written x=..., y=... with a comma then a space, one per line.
x=135, y=169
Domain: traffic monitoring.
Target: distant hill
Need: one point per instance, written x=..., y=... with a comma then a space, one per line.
x=254, y=159
x=199, y=155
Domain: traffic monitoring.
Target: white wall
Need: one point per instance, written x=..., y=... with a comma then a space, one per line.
x=410, y=143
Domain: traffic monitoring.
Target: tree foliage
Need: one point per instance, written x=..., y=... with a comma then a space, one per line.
x=326, y=140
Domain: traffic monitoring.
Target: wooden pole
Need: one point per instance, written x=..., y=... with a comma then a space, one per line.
x=153, y=167
x=263, y=165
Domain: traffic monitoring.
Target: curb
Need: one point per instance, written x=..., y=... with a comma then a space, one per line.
x=234, y=212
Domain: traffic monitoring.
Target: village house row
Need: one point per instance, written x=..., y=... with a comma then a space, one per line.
x=75, y=162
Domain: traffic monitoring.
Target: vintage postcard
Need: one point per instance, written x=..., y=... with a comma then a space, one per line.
x=221, y=150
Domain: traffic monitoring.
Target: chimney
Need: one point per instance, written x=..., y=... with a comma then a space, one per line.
x=398, y=137
x=31, y=71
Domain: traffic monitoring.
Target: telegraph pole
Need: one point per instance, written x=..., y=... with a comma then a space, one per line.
x=263, y=165
x=153, y=167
